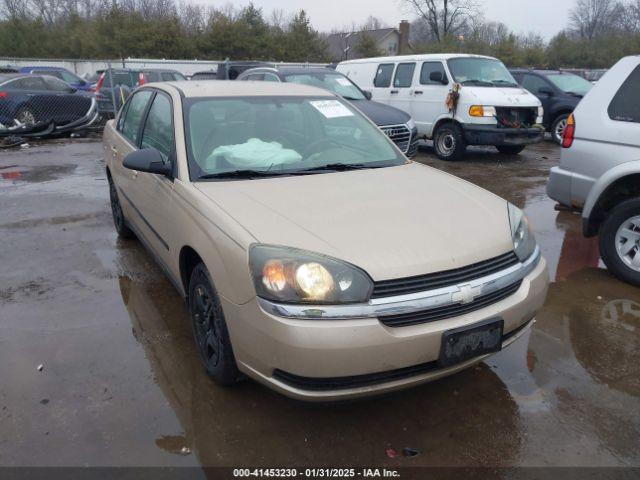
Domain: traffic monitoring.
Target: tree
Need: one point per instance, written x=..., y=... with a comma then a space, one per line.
x=367, y=46
x=590, y=18
x=302, y=43
x=444, y=18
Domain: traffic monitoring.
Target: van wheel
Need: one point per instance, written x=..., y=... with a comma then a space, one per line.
x=449, y=142
x=118, y=215
x=210, y=329
x=557, y=128
x=510, y=149
x=620, y=241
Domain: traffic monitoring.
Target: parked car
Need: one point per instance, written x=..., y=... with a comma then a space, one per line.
x=61, y=73
x=395, y=123
x=490, y=109
x=29, y=100
x=600, y=167
x=205, y=75
x=124, y=81
x=229, y=70
x=559, y=93
x=287, y=221
x=8, y=69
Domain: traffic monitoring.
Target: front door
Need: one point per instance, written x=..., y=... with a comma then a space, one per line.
x=429, y=96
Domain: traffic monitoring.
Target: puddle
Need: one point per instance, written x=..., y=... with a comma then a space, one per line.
x=36, y=174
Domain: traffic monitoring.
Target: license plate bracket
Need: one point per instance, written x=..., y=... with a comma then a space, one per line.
x=464, y=343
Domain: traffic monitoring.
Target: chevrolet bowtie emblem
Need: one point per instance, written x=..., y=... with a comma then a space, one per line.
x=466, y=294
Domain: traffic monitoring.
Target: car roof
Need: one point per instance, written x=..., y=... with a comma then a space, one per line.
x=231, y=88
x=415, y=58
x=287, y=70
x=10, y=76
x=159, y=70
x=539, y=72
x=42, y=67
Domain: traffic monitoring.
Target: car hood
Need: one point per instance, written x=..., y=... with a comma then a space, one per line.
x=499, y=97
x=381, y=114
x=392, y=222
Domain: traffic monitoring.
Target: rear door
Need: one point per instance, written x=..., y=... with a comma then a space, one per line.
x=401, y=92
x=428, y=97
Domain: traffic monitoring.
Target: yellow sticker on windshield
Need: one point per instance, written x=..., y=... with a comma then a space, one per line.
x=331, y=108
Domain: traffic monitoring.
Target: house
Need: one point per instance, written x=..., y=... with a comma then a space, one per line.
x=390, y=41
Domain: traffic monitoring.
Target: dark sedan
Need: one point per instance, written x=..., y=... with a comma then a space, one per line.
x=40, y=99
x=395, y=123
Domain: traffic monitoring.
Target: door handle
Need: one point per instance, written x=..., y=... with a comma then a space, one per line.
x=134, y=174
x=417, y=92
x=393, y=92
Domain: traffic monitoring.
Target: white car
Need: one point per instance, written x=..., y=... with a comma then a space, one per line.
x=600, y=167
x=492, y=109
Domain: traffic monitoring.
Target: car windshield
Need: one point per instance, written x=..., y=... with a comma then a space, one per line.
x=481, y=72
x=334, y=82
x=570, y=83
x=281, y=136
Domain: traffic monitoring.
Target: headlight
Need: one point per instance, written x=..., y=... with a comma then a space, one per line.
x=411, y=124
x=524, y=243
x=482, y=111
x=290, y=275
x=540, y=118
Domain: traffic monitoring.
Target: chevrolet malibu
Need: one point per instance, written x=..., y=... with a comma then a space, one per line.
x=313, y=256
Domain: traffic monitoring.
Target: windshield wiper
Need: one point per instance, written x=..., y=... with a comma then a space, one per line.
x=242, y=174
x=505, y=82
x=478, y=82
x=338, y=167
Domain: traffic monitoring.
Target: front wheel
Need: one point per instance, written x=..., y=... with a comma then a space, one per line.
x=620, y=241
x=510, y=149
x=119, y=221
x=210, y=328
x=448, y=142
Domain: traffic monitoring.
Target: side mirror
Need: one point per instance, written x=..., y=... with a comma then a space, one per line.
x=546, y=91
x=367, y=94
x=438, y=77
x=147, y=160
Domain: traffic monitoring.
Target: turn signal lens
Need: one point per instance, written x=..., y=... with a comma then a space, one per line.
x=569, y=132
x=314, y=280
x=273, y=276
x=476, y=111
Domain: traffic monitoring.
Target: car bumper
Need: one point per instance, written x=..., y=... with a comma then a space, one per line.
x=559, y=186
x=335, y=359
x=493, y=135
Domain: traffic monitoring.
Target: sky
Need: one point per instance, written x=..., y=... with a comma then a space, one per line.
x=546, y=17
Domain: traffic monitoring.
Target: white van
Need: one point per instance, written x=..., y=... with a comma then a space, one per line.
x=492, y=109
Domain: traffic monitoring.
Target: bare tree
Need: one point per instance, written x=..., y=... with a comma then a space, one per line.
x=372, y=23
x=444, y=17
x=590, y=18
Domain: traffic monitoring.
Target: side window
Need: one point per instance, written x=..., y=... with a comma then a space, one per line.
x=56, y=85
x=167, y=77
x=383, y=75
x=135, y=111
x=625, y=106
x=152, y=77
x=270, y=77
x=158, y=129
x=52, y=73
x=255, y=77
x=404, y=75
x=427, y=69
x=30, y=83
x=533, y=83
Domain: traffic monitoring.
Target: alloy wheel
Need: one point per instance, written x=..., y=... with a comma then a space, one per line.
x=207, y=328
x=628, y=243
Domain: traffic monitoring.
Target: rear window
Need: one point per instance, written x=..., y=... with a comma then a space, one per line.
x=383, y=75
x=625, y=106
x=119, y=78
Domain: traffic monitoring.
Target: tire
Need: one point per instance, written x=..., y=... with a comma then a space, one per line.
x=510, y=149
x=118, y=215
x=557, y=128
x=449, y=142
x=26, y=116
x=210, y=329
x=620, y=256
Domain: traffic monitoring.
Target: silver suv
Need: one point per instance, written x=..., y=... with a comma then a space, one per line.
x=600, y=167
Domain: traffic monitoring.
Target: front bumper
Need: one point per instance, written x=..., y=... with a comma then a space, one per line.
x=294, y=355
x=497, y=136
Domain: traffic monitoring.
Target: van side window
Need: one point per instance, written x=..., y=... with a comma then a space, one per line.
x=427, y=69
x=383, y=75
x=625, y=106
x=404, y=75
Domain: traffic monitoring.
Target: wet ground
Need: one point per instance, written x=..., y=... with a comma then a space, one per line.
x=121, y=384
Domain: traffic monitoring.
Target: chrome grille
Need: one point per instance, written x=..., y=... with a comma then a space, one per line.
x=400, y=135
x=421, y=283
